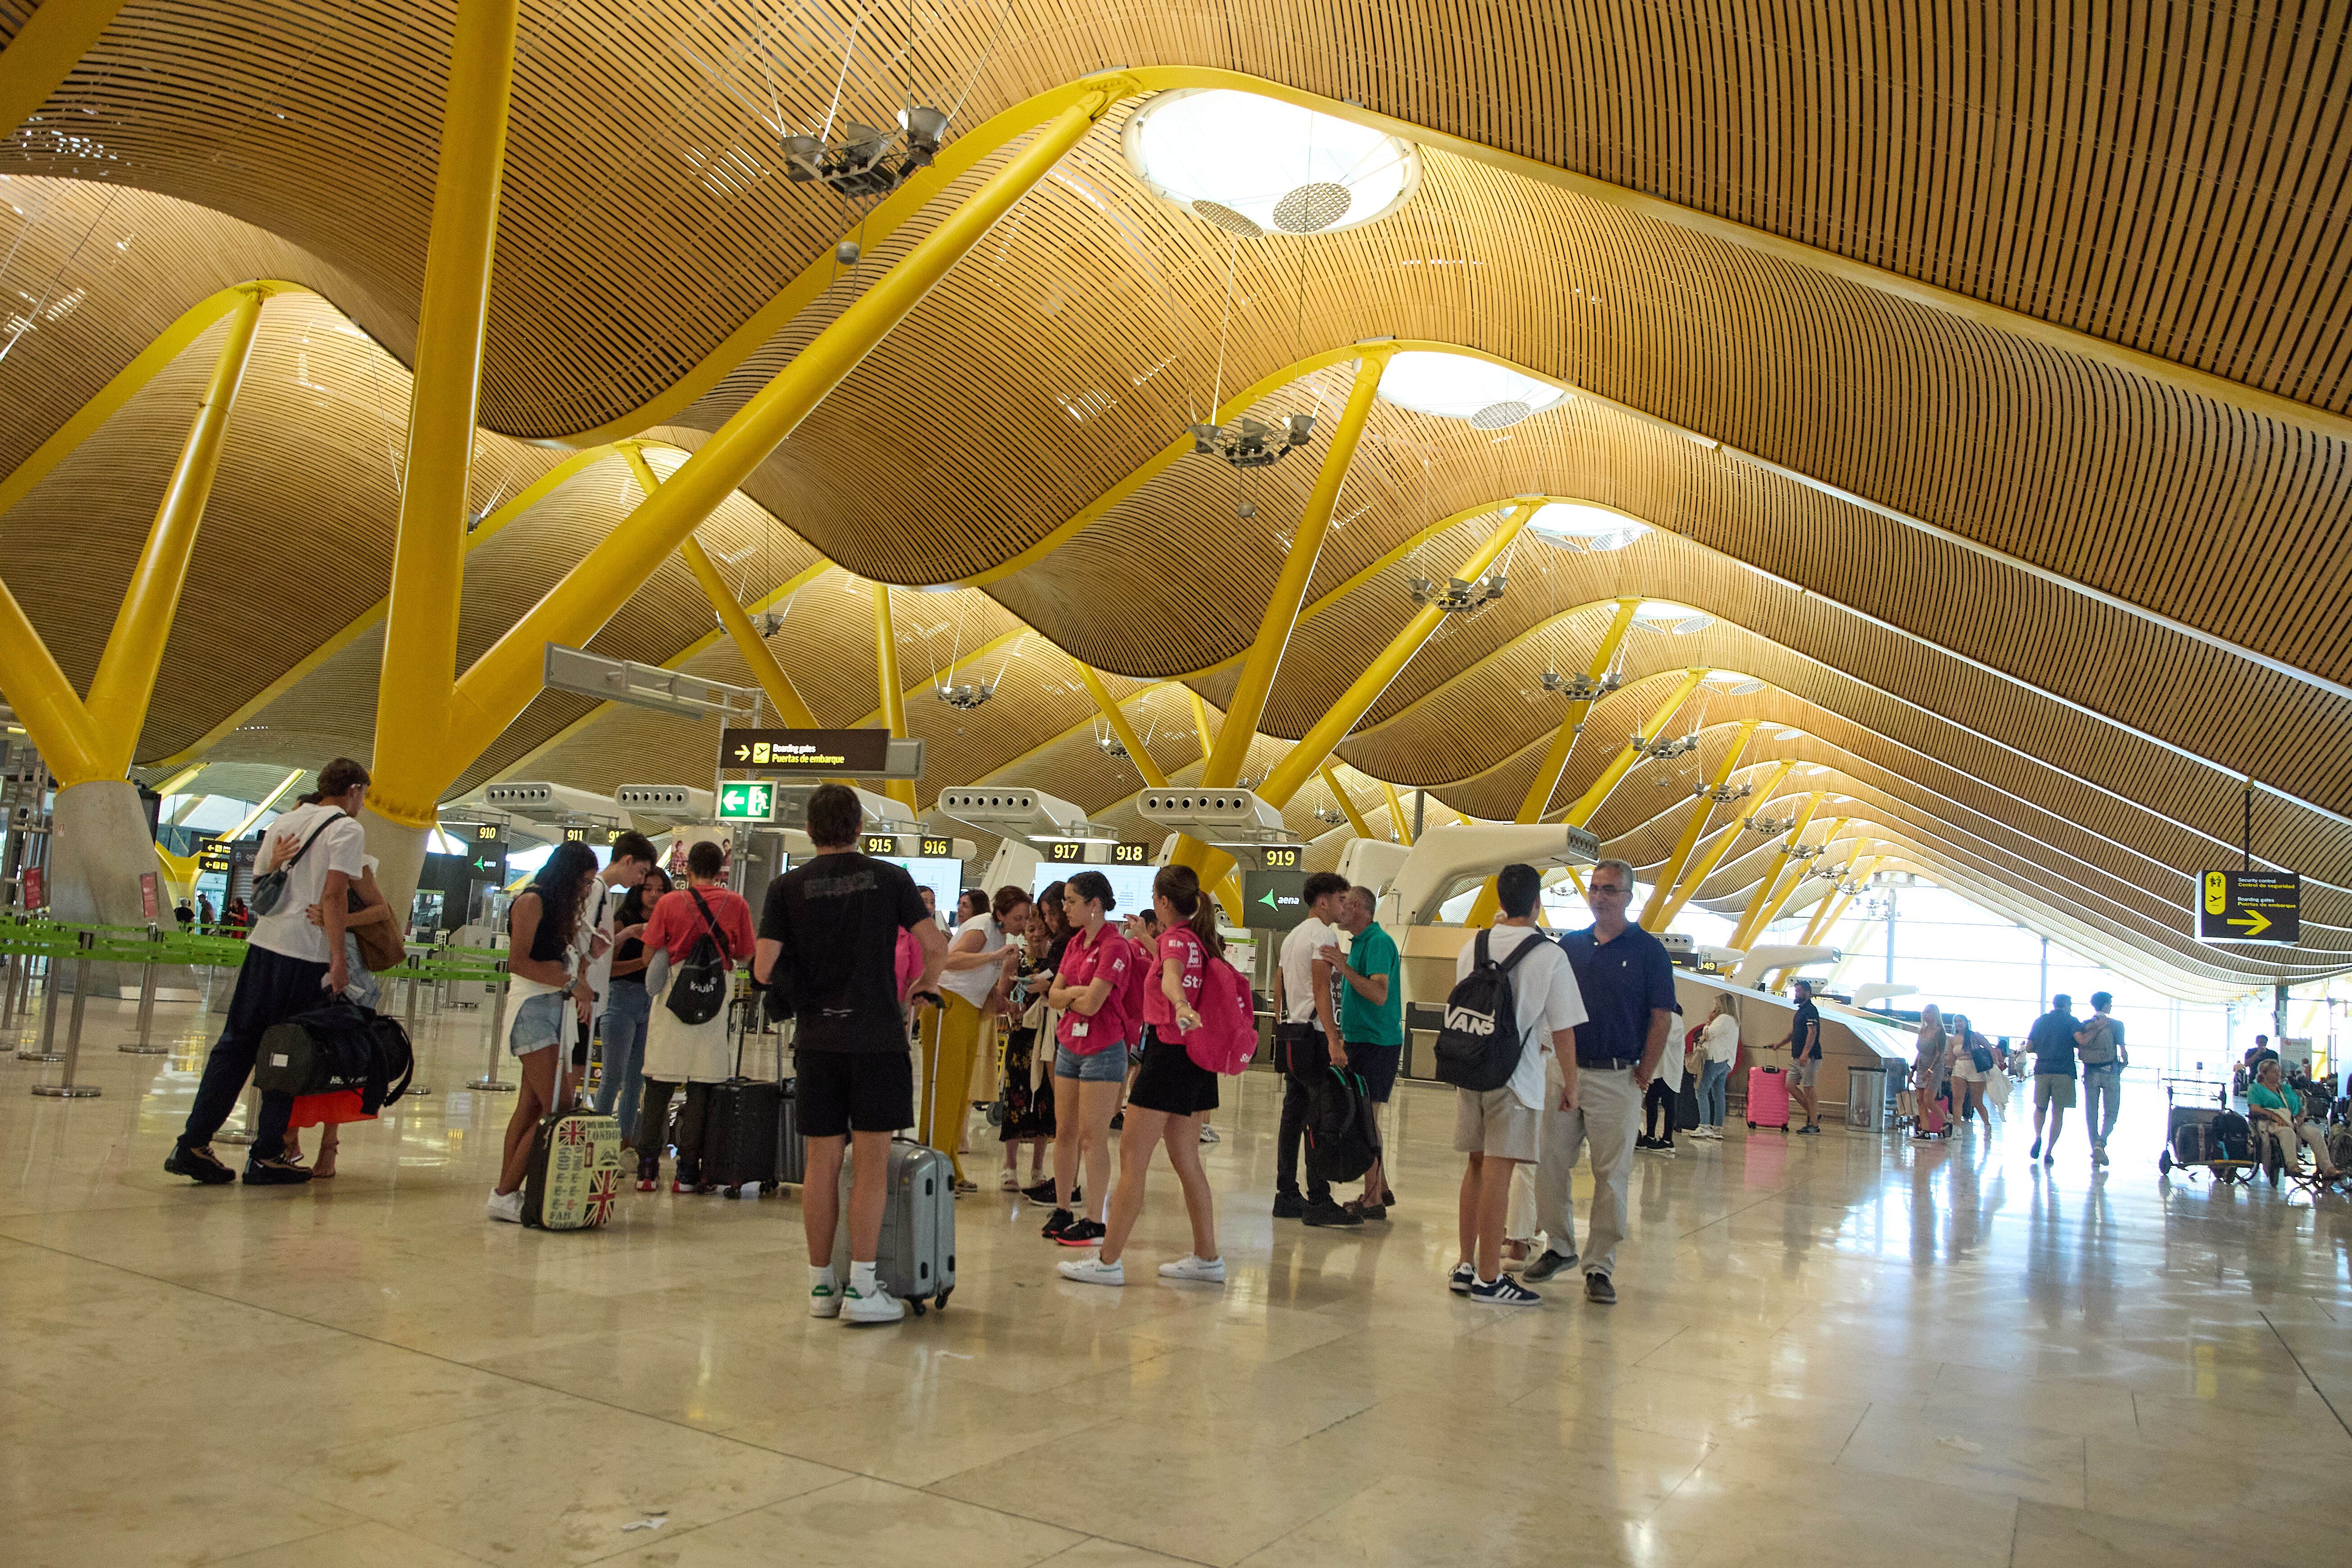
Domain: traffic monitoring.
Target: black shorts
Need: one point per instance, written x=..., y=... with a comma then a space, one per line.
x=1170, y=1081
x=842, y=1091
x=1377, y=1066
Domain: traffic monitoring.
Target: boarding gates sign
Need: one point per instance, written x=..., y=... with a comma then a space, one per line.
x=2250, y=907
x=850, y=752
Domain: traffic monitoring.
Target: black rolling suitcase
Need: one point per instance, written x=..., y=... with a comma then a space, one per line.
x=740, y=1125
x=792, y=1149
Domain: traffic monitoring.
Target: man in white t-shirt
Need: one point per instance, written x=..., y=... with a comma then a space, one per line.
x=291, y=968
x=1306, y=1044
x=1501, y=1129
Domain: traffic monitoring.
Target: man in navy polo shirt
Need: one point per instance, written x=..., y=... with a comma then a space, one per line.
x=1628, y=984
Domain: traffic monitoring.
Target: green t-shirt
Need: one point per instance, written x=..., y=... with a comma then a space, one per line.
x=2282, y=1099
x=1361, y=1021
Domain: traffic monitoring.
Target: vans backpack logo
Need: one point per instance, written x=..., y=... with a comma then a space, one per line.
x=1469, y=1022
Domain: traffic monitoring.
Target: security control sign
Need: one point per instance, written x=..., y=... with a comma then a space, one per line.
x=2250, y=907
x=861, y=752
x=747, y=803
x=1274, y=900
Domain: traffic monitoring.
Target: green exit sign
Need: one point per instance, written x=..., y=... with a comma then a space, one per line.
x=752, y=802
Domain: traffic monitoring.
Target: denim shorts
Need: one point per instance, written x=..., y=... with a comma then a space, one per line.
x=1108, y=1065
x=538, y=1024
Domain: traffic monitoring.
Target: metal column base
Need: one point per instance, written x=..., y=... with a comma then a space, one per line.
x=134, y=1048
x=66, y=1091
x=29, y=1055
x=238, y=1137
x=493, y=1085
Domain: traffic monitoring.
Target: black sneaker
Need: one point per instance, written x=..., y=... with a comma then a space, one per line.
x=1599, y=1290
x=1644, y=1141
x=199, y=1165
x=1119, y=1121
x=1289, y=1205
x=2035, y=1152
x=1055, y=1223
x=1812, y=1127
x=1329, y=1213
x=259, y=1172
x=1503, y=1292
x=1081, y=1233
x=1551, y=1263
x=1462, y=1279
x=1040, y=1193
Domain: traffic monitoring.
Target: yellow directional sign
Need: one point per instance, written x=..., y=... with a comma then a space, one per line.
x=2250, y=907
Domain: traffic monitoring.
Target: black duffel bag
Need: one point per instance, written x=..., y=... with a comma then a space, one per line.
x=1343, y=1132
x=339, y=1047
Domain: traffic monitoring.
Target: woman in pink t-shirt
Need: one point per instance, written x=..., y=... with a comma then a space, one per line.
x=1094, y=990
x=1171, y=1090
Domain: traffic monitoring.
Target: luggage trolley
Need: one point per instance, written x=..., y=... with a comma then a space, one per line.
x=2192, y=1106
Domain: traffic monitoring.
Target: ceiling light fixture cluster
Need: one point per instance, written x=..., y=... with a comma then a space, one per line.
x=1459, y=597
x=1659, y=750
x=862, y=160
x=1581, y=687
x=1251, y=443
x=1768, y=826
x=1723, y=794
x=966, y=696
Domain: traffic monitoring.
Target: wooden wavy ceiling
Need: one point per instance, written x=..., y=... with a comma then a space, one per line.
x=2137, y=196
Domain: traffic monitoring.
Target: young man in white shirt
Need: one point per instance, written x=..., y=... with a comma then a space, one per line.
x=1501, y=1129
x=291, y=968
x=1307, y=1043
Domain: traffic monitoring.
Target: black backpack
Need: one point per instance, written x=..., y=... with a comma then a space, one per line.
x=698, y=987
x=2229, y=1137
x=1478, y=1044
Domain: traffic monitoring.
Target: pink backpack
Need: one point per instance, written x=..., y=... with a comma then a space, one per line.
x=1227, y=1037
x=908, y=962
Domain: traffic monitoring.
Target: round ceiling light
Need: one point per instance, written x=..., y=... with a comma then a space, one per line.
x=1222, y=155
x=1461, y=386
x=1681, y=619
x=1585, y=526
x=1732, y=683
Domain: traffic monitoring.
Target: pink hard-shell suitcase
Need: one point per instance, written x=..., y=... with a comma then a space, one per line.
x=1768, y=1098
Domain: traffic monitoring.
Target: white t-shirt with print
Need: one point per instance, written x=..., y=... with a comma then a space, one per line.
x=1306, y=939
x=1543, y=995
x=342, y=847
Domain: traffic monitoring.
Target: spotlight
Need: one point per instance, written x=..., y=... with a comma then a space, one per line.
x=1251, y=443
x=861, y=160
x=966, y=697
x=1459, y=597
x=1582, y=688
x=1663, y=750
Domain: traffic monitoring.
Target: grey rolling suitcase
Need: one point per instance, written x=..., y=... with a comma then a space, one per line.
x=916, y=1260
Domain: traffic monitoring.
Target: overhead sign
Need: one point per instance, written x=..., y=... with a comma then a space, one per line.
x=1274, y=900
x=1130, y=855
x=1066, y=851
x=907, y=846
x=2250, y=907
x=851, y=751
x=754, y=803
x=1279, y=857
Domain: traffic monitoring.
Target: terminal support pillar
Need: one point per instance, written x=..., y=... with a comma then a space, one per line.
x=1749, y=923
x=1299, y=765
x=1799, y=872
x=45, y=51
x=893, y=698
x=1698, y=875
x=1826, y=915
x=1152, y=778
x=506, y=678
x=1396, y=814
x=1257, y=681
x=414, y=755
x=1346, y=803
x=1662, y=888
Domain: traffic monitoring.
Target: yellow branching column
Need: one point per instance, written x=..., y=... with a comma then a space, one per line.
x=1660, y=891
x=1347, y=802
x=894, y=695
x=1698, y=875
x=1749, y=923
x=413, y=743
x=1149, y=770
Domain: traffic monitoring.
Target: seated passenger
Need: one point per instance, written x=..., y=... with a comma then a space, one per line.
x=2277, y=1114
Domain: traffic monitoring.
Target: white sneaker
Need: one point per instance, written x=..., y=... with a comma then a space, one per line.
x=825, y=1301
x=1095, y=1272
x=881, y=1307
x=1208, y=1136
x=506, y=1206
x=1211, y=1271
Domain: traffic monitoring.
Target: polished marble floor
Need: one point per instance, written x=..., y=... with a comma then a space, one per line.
x=1829, y=1351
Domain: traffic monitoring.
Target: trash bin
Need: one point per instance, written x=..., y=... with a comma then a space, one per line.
x=1865, y=1098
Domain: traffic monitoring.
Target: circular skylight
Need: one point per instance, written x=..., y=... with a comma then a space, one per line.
x=1680, y=620
x=1733, y=683
x=1254, y=165
x=1586, y=526
x=1460, y=386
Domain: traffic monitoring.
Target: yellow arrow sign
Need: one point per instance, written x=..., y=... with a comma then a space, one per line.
x=2253, y=920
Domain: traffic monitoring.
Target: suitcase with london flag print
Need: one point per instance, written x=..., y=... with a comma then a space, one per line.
x=1768, y=1098
x=574, y=1176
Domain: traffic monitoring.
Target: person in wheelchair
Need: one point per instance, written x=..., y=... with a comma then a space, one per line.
x=2277, y=1114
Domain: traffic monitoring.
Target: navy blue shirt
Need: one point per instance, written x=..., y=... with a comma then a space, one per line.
x=1623, y=980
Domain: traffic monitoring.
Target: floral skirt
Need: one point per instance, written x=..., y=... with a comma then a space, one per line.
x=1028, y=1095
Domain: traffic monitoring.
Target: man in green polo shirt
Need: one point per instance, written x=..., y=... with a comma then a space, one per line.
x=1371, y=1019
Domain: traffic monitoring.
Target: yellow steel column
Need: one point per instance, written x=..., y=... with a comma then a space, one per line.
x=893, y=697
x=1397, y=818
x=1299, y=765
x=1747, y=922
x=413, y=746
x=757, y=655
x=1347, y=802
x=1698, y=875
x=1780, y=899
x=1200, y=724
x=45, y=701
x=1563, y=739
x=125, y=680
x=1825, y=915
x=1591, y=800
x=45, y=51
x=1152, y=778
x=1257, y=681
x=504, y=679
x=1697, y=828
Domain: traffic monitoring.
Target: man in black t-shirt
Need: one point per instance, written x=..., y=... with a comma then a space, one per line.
x=829, y=939
x=1804, y=1043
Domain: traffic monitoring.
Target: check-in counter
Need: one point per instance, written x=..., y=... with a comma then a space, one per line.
x=1849, y=1036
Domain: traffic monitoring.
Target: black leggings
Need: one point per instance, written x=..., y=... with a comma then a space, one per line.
x=1658, y=1098
x=652, y=1125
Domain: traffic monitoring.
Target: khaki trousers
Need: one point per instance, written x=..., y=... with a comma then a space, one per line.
x=1608, y=1114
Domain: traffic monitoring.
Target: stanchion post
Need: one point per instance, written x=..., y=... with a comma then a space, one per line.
x=8, y=974
x=41, y=1052
x=145, y=1044
x=243, y=1135
x=489, y=1080
x=415, y=1089
x=66, y=1088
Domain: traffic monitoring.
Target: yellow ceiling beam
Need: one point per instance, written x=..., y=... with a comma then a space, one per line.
x=893, y=701
x=1799, y=873
x=1661, y=889
x=1346, y=801
x=1746, y=930
x=1152, y=778
x=1397, y=818
x=1696, y=878
x=45, y=51
x=413, y=713
x=1826, y=915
